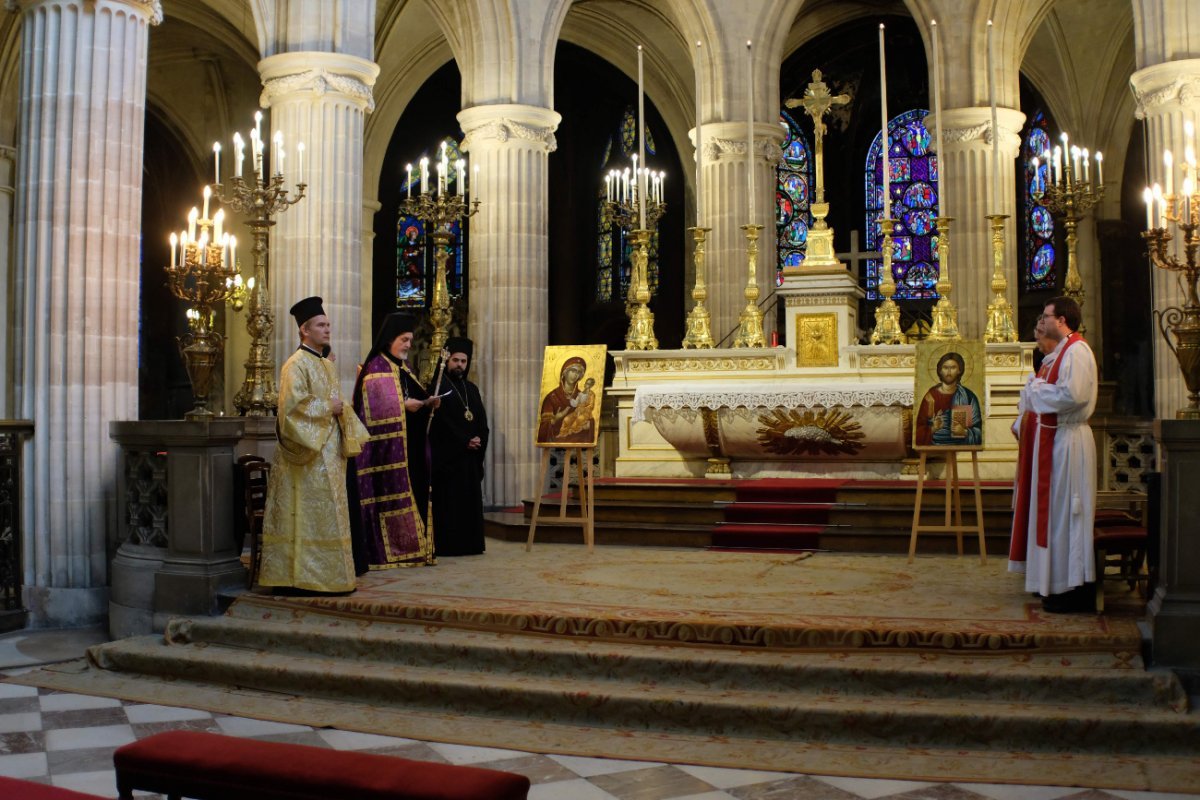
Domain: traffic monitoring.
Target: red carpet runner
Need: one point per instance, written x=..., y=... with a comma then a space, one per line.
x=777, y=514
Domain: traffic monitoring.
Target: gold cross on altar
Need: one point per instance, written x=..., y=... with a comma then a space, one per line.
x=816, y=103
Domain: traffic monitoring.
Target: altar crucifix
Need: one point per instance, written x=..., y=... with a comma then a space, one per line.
x=816, y=103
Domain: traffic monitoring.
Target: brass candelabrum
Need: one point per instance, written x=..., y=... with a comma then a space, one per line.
x=259, y=202
x=699, y=322
x=439, y=211
x=202, y=277
x=887, y=314
x=750, y=321
x=1000, y=325
x=626, y=214
x=1184, y=213
x=1071, y=198
x=945, y=315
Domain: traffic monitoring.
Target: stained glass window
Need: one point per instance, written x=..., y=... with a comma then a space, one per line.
x=415, y=264
x=612, y=240
x=794, y=183
x=914, y=189
x=1040, y=256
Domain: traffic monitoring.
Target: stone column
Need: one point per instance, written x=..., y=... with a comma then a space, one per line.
x=366, y=336
x=8, y=163
x=967, y=176
x=78, y=220
x=320, y=99
x=509, y=318
x=1168, y=94
x=727, y=209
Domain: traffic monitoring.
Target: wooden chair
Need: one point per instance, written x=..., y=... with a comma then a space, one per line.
x=1120, y=541
x=254, y=470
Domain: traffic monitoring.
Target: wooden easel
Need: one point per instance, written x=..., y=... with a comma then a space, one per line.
x=587, y=503
x=953, y=500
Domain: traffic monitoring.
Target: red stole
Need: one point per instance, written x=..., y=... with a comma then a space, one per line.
x=1043, y=426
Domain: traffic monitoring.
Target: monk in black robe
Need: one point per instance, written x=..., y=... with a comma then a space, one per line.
x=458, y=440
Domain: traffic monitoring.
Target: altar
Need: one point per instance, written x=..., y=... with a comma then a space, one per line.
x=754, y=412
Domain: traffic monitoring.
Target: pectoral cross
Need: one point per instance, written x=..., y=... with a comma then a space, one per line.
x=816, y=103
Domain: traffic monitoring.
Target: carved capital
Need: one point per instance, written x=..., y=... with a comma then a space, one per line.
x=1163, y=86
x=716, y=148
x=504, y=129
x=318, y=73
x=8, y=153
x=152, y=9
x=320, y=82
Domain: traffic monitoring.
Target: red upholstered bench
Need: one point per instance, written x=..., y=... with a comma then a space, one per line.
x=13, y=789
x=208, y=766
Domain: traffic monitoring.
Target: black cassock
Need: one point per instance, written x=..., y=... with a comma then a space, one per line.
x=457, y=471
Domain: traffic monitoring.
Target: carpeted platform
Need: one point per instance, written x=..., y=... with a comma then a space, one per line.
x=829, y=664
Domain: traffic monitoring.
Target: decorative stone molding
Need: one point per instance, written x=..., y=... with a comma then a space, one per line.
x=151, y=8
x=767, y=150
x=1003, y=360
x=1172, y=83
x=320, y=74
x=887, y=361
x=714, y=364
x=974, y=124
x=503, y=122
x=797, y=301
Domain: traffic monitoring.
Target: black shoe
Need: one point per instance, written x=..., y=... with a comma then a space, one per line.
x=1080, y=600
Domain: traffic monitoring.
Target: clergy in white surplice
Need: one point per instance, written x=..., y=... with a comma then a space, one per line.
x=1055, y=501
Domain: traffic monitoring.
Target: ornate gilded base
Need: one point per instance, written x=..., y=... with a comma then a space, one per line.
x=699, y=322
x=750, y=322
x=640, y=335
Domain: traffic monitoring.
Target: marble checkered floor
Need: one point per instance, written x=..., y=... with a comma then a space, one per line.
x=68, y=739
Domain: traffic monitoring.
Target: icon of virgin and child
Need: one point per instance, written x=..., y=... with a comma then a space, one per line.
x=569, y=411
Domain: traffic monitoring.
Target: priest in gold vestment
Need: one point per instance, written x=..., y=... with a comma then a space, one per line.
x=306, y=527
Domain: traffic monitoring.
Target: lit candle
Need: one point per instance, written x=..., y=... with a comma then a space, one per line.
x=217, y=162
x=233, y=257
x=192, y=215
x=441, y=174
x=218, y=222
x=174, y=241
x=424, y=173
x=640, y=176
x=207, y=194
x=1187, y=199
x=1148, y=196
x=1057, y=177
x=1075, y=160
x=1099, y=168
x=943, y=199
x=224, y=240
x=1066, y=151
x=238, y=148
x=460, y=168
x=1085, y=158
x=608, y=187
x=202, y=247
x=750, y=125
x=699, y=147
x=278, y=139
x=258, y=125
x=300, y=162
x=408, y=179
x=995, y=127
x=883, y=141
x=662, y=181
x=1161, y=202
x=1037, y=186
x=1169, y=165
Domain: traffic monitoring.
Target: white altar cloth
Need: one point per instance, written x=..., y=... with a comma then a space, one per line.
x=776, y=394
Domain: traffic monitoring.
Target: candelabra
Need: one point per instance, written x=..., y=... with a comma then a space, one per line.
x=1000, y=325
x=439, y=211
x=887, y=314
x=945, y=315
x=202, y=277
x=1184, y=213
x=699, y=333
x=1071, y=196
x=750, y=321
x=626, y=208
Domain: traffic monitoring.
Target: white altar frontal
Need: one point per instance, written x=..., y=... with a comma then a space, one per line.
x=769, y=412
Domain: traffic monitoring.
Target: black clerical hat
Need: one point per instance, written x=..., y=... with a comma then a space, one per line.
x=460, y=344
x=393, y=325
x=306, y=309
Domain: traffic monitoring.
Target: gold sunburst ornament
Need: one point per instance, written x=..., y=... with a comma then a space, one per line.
x=791, y=432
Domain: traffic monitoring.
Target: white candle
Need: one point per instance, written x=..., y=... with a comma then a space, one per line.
x=475, y=179
x=278, y=139
x=300, y=162
x=1084, y=158
x=1169, y=168
x=662, y=180
x=258, y=125
x=224, y=252
x=1075, y=161
x=237, y=154
x=750, y=125
x=408, y=180
x=995, y=127
x=207, y=194
x=233, y=256
x=640, y=176
x=460, y=167
x=1148, y=196
x=202, y=247
x=943, y=199
x=1036, y=177
x=699, y=147
x=174, y=241
x=1057, y=177
x=424, y=173
x=440, y=174
x=883, y=116
x=217, y=162
x=218, y=223
x=1099, y=168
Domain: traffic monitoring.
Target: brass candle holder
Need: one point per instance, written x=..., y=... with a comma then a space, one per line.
x=439, y=210
x=1071, y=198
x=945, y=315
x=887, y=314
x=1182, y=212
x=750, y=321
x=640, y=335
x=699, y=322
x=202, y=278
x=1000, y=325
x=259, y=201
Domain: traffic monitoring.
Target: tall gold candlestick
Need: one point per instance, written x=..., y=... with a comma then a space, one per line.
x=887, y=314
x=945, y=315
x=640, y=335
x=1000, y=325
x=750, y=322
x=699, y=333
